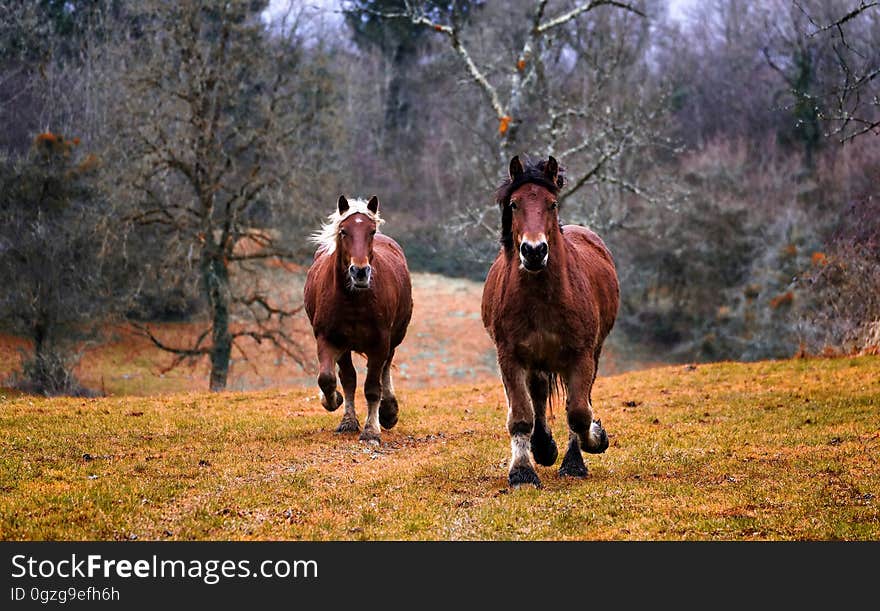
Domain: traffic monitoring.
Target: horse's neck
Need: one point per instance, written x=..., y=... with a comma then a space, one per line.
x=334, y=274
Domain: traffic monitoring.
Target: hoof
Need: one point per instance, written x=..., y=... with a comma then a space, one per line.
x=597, y=438
x=523, y=475
x=349, y=425
x=545, y=451
x=388, y=412
x=369, y=436
x=573, y=469
x=573, y=463
x=337, y=401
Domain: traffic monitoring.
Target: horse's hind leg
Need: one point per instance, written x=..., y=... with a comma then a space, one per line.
x=584, y=433
x=327, y=355
x=388, y=405
x=373, y=395
x=348, y=378
x=543, y=447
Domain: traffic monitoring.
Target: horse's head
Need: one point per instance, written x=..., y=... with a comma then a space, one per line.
x=355, y=240
x=529, y=217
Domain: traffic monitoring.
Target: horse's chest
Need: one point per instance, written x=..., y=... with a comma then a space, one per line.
x=359, y=330
x=542, y=348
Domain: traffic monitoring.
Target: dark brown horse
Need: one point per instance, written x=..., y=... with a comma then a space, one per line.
x=550, y=300
x=358, y=298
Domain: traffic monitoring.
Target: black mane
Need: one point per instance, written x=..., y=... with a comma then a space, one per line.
x=533, y=173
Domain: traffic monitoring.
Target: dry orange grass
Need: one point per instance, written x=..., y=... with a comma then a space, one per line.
x=773, y=450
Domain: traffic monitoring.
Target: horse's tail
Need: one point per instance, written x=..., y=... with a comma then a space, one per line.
x=555, y=390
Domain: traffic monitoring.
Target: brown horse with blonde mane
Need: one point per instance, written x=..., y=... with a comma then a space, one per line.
x=358, y=297
x=550, y=300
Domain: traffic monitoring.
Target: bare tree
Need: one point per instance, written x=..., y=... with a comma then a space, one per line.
x=210, y=109
x=853, y=34
x=567, y=84
x=506, y=99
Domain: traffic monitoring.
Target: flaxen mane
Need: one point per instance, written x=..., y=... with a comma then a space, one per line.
x=325, y=238
x=533, y=173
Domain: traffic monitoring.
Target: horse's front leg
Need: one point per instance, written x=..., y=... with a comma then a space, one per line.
x=520, y=423
x=327, y=355
x=584, y=433
x=373, y=395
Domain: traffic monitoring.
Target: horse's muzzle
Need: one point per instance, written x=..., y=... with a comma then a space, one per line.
x=533, y=256
x=360, y=276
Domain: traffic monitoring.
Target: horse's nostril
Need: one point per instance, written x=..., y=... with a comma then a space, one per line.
x=533, y=251
x=359, y=273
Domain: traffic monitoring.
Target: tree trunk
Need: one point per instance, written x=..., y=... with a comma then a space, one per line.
x=39, y=338
x=806, y=112
x=216, y=278
x=398, y=119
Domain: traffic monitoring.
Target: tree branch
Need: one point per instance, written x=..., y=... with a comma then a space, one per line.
x=583, y=8
x=197, y=350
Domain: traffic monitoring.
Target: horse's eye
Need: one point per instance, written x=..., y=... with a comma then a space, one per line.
x=342, y=233
x=513, y=205
x=373, y=232
x=554, y=206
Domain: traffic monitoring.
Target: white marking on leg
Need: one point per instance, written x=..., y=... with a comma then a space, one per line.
x=519, y=451
x=372, y=417
x=387, y=384
x=595, y=435
x=350, y=412
x=520, y=446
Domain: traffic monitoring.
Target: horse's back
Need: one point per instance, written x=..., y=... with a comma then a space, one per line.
x=390, y=252
x=587, y=241
x=491, y=291
x=593, y=256
x=389, y=261
x=319, y=274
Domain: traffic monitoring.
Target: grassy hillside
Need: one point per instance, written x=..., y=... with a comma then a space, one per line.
x=773, y=450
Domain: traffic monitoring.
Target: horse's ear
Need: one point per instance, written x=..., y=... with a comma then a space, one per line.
x=373, y=204
x=516, y=168
x=551, y=170
x=342, y=204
